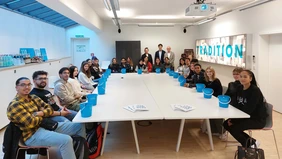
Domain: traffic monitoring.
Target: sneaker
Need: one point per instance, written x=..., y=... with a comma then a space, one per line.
x=257, y=143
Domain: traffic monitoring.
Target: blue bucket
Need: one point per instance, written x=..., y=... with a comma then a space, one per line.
x=171, y=73
x=101, y=89
x=182, y=82
x=109, y=71
x=224, y=101
x=175, y=75
x=123, y=71
x=85, y=110
x=181, y=78
x=139, y=71
x=200, y=87
x=167, y=70
x=92, y=99
x=207, y=93
x=158, y=70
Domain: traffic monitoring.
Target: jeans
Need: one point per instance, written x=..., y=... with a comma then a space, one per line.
x=60, y=138
x=239, y=125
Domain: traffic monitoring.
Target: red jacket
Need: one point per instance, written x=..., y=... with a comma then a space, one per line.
x=150, y=66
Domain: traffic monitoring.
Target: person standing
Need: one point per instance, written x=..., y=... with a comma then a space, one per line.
x=147, y=54
x=170, y=55
x=160, y=54
x=93, y=56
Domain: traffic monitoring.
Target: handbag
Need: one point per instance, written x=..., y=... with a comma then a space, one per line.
x=249, y=153
x=49, y=124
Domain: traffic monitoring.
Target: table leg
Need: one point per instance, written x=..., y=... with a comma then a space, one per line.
x=104, y=137
x=180, y=134
x=209, y=133
x=135, y=136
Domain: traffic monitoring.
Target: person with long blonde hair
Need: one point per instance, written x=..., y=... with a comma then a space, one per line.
x=213, y=82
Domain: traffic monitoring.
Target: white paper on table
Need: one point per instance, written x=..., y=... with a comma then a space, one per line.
x=130, y=108
x=140, y=107
x=181, y=107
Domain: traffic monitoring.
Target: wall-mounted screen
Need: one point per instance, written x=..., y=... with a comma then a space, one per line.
x=229, y=50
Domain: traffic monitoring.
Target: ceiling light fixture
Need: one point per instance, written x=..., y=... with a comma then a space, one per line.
x=115, y=4
x=156, y=25
x=255, y=4
x=106, y=3
x=206, y=21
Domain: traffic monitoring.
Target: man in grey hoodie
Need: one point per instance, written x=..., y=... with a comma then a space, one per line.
x=64, y=90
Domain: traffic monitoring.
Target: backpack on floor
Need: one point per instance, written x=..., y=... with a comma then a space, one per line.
x=80, y=147
x=95, y=139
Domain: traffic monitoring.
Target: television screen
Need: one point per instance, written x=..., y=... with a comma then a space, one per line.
x=229, y=50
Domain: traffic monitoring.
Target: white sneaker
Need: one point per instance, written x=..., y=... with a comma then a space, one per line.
x=257, y=143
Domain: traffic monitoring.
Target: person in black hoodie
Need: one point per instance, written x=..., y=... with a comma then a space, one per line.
x=250, y=100
x=95, y=70
x=232, y=86
x=214, y=83
x=114, y=66
x=123, y=64
x=198, y=77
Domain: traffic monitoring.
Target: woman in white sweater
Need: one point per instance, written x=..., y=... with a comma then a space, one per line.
x=84, y=77
x=76, y=85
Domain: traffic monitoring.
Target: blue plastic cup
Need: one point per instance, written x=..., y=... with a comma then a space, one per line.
x=181, y=78
x=200, y=87
x=207, y=93
x=175, y=75
x=171, y=73
x=123, y=71
x=85, y=110
x=101, y=89
x=223, y=101
x=182, y=83
x=92, y=99
x=167, y=70
x=158, y=70
x=139, y=71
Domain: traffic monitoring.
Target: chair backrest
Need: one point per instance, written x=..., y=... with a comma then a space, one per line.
x=269, y=119
x=52, y=80
x=224, y=89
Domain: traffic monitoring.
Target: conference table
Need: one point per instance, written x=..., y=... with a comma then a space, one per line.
x=157, y=92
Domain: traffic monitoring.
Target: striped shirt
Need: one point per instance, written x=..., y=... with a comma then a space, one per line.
x=20, y=112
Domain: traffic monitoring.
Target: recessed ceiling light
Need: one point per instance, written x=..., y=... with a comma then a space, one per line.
x=122, y=13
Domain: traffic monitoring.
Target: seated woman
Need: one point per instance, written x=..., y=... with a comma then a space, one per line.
x=84, y=77
x=186, y=70
x=76, y=85
x=250, y=100
x=114, y=66
x=232, y=86
x=142, y=66
x=167, y=64
x=123, y=64
x=198, y=77
x=158, y=65
x=215, y=84
x=181, y=67
x=148, y=64
x=129, y=62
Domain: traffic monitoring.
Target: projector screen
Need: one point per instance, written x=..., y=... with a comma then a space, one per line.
x=229, y=50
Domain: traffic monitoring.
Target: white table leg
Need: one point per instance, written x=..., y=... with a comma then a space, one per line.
x=209, y=133
x=135, y=136
x=104, y=137
x=180, y=134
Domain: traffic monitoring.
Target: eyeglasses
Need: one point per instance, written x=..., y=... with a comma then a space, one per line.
x=41, y=79
x=25, y=85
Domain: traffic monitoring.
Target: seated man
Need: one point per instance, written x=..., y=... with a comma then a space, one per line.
x=65, y=92
x=39, y=80
x=198, y=77
x=167, y=64
x=95, y=69
x=28, y=113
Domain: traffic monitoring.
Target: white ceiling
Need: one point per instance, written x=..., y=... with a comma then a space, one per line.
x=158, y=11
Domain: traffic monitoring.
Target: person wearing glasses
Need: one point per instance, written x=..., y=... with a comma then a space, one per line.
x=40, y=81
x=63, y=89
x=28, y=112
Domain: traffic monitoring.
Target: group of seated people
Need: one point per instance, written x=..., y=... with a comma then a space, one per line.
x=31, y=107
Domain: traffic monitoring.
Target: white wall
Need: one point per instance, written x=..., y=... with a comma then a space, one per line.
x=264, y=19
x=103, y=43
x=17, y=31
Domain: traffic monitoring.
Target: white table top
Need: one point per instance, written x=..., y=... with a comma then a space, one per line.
x=157, y=92
x=119, y=93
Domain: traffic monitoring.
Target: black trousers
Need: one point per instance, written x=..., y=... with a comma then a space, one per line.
x=239, y=125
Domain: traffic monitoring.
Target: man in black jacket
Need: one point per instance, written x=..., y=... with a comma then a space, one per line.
x=146, y=54
x=160, y=54
x=198, y=77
